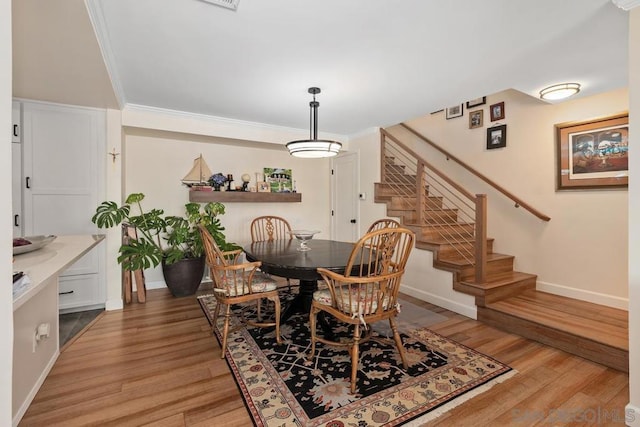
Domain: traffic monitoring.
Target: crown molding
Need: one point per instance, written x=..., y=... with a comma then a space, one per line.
x=626, y=4
x=264, y=129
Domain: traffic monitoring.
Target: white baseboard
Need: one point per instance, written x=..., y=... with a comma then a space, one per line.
x=581, y=294
x=455, y=306
x=114, y=304
x=632, y=415
x=158, y=284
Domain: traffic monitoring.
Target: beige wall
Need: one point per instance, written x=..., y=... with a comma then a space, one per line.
x=6, y=299
x=155, y=162
x=582, y=251
x=634, y=214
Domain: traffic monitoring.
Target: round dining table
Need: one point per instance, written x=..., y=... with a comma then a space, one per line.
x=282, y=258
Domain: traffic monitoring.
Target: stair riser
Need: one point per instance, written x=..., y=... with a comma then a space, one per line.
x=494, y=266
x=454, y=231
x=396, y=178
x=407, y=217
x=449, y=249
x=598, y=352
x=487, y=296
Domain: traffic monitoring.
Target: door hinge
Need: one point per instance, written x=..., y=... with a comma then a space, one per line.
x=331, y=212
x=331, y=171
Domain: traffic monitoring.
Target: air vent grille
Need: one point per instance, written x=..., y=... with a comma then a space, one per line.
x=229, y=4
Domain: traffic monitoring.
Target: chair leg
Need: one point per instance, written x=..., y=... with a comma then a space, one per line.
x=312, y=328
x=276, y=301
x=216, y=313
x=225, y=330
x=355, y=357
x=398, y=340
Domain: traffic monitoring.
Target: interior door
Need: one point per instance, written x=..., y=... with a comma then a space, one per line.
x=344, y=197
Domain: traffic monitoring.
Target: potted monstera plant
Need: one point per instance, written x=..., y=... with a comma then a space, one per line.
x=170, y=240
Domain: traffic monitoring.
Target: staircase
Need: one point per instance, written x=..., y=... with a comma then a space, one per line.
x=451, y=223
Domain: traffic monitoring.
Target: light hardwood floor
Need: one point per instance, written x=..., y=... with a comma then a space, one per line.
x=157, y=364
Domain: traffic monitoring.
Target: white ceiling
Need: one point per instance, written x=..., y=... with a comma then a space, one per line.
x=378, y=62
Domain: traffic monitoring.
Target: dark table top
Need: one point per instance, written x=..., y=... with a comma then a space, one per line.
x=281, y=257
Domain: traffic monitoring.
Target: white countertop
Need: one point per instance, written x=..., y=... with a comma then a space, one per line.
x=50, y=261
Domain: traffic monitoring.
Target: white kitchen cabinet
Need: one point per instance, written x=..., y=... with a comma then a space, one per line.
x=63, y=149
x=16, y=169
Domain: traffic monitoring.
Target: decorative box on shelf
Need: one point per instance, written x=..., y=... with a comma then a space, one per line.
x=201, y=188
x=243, y=196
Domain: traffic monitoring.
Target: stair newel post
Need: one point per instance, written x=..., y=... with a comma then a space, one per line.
x=481, y=238
x=383, y=156
x=420, y=192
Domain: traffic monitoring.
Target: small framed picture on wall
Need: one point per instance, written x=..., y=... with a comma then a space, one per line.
x=453, y=112
x=497, y=137
x=476, y=102
x=497, y=111
x=475, y=119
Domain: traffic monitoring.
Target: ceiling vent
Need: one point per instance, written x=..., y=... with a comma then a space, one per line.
x=228, y=4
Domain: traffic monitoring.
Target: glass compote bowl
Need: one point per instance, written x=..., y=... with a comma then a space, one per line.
x=303, y=236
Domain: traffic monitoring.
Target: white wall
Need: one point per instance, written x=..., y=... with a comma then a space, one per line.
x=582, y=251
x=6, y=297
x=155, y=162
x=634, y=226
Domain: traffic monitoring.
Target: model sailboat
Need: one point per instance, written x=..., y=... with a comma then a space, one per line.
x=199, y=173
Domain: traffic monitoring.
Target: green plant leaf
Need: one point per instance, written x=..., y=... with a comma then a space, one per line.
x=139, y=255
x=108, y=214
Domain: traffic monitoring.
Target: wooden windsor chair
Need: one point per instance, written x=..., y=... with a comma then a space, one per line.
x=366, y=293
x=238, y=283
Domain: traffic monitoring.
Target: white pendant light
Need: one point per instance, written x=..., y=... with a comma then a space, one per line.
x=560, y=91
x=313, y=147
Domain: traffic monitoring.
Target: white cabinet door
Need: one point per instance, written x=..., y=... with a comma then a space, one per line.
x=63, y=176
x=16, y=169
x=16, y=188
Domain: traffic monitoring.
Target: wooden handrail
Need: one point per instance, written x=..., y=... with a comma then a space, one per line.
x=519, y=202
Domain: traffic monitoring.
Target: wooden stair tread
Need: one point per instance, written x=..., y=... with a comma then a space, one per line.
x=496, y=280
x=583, y=319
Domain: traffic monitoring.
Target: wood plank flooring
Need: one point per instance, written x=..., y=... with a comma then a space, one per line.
x=156, y=364
x=593, y=331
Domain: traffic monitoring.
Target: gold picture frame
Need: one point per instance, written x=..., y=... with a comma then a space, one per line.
x=475, y=119
x=263, y=187
x=593, y=154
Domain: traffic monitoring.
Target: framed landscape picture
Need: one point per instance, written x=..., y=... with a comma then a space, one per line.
x=593, y=154
x=279, y=180
x=475, y=102
x=453, y=112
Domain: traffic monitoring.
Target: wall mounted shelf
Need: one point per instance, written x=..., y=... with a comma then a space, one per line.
x=243, y=196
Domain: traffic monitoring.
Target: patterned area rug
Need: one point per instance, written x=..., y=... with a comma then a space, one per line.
x=281, y=387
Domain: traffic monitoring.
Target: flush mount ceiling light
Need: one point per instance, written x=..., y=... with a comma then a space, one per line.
x=229, y=4
x=560, y=91
x=313, y=147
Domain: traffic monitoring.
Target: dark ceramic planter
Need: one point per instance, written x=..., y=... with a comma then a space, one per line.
x=183, y=277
